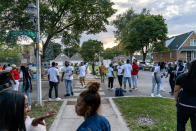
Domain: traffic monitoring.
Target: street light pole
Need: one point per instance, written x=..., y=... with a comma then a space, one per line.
x=38, y=58
x=33, y=12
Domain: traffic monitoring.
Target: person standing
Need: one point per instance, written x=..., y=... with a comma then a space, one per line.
x=185, y=98
x=68, y=72
x=127, y=68
x=102, y=71
x=25, y=83
x=120, y=73
x=15, y=78
x=110, y=77
x=8, y=68
x=134, y=73
x=156, y=78
x=171, y=78
x=82, y=70
x=1, y=67
x=54, y=80
x=179, y=68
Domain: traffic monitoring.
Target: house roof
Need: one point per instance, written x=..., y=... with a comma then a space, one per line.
x=76, y=57
x=188, y=48
x=179, y=40
x=62, y=57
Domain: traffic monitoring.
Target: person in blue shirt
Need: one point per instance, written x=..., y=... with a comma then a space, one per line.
x=88, y=103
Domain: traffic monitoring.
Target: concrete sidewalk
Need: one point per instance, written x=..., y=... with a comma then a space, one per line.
x=68, y=120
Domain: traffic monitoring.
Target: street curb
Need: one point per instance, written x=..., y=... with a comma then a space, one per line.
x=119, y=116
x=56, y=121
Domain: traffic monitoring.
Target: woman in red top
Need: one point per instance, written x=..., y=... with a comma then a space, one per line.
x=134, y=73
x=15, y=78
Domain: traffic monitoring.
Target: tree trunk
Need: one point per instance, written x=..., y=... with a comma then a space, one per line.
x=131, y=57
x=144, y=56
x=46, y=45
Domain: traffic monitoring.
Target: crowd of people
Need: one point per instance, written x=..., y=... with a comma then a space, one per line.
x=14, y=106
x=19, y=77
x=124, y=72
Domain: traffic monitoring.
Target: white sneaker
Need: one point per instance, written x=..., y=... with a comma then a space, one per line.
x=158, y=95
x=152, y=94
x=49, y=99
x=81, y=87
x=58, y=99
x=29, y=107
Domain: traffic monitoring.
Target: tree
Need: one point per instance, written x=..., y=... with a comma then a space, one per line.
x=70, y=51
x=110, y=53
x=67, y=19
x=52, y=51
x=10, y=55
x=142, y=32
x=91, y=49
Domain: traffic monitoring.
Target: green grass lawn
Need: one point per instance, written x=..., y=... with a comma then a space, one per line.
x=47, y=106
x=161, y=110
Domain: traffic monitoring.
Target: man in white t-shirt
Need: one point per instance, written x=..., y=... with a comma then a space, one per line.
x=127, y=68
x=54, y=80
x=82, y=70
x=110, y=77
x=8, y=68
x=68, y=72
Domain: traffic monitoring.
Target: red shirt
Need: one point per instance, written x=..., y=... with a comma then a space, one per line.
x=16, y=74
x=135, y=72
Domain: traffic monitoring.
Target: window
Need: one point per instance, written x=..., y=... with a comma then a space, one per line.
x=193, y=42
x=194, y=54
x=171, y=55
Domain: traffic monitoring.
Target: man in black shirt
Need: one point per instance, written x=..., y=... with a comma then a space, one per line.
x=171, y=78
x=179, y=68
x=185, y=98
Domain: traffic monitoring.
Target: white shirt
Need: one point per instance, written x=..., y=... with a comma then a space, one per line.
x=53, y=73
x=8, y=68
x=29, y=127
x=127, y=70
x=110, y=70
x=120, y=69
x=158, y=71
x=68, y=71
x=82, y=71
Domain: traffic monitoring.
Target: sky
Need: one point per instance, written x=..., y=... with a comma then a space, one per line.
x=180, y=17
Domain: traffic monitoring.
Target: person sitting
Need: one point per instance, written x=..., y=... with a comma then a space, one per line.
x=88, y=103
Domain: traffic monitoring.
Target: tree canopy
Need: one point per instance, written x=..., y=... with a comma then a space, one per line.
x=91, y=49
x=141, y=31
x=66, y=19
x=70, y=51
x=110, y=53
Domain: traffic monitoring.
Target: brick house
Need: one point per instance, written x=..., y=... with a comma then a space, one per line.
x=182, y=47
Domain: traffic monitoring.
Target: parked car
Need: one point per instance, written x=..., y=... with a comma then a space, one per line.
x=141, y=65
x=148, y=67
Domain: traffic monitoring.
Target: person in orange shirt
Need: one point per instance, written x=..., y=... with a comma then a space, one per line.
x=102, y=70
x=1, y=67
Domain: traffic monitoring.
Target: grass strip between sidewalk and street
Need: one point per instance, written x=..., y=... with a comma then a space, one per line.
x=47, y=107
x=160, y=110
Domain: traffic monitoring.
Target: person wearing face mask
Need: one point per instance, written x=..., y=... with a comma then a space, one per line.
x=88, y=103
